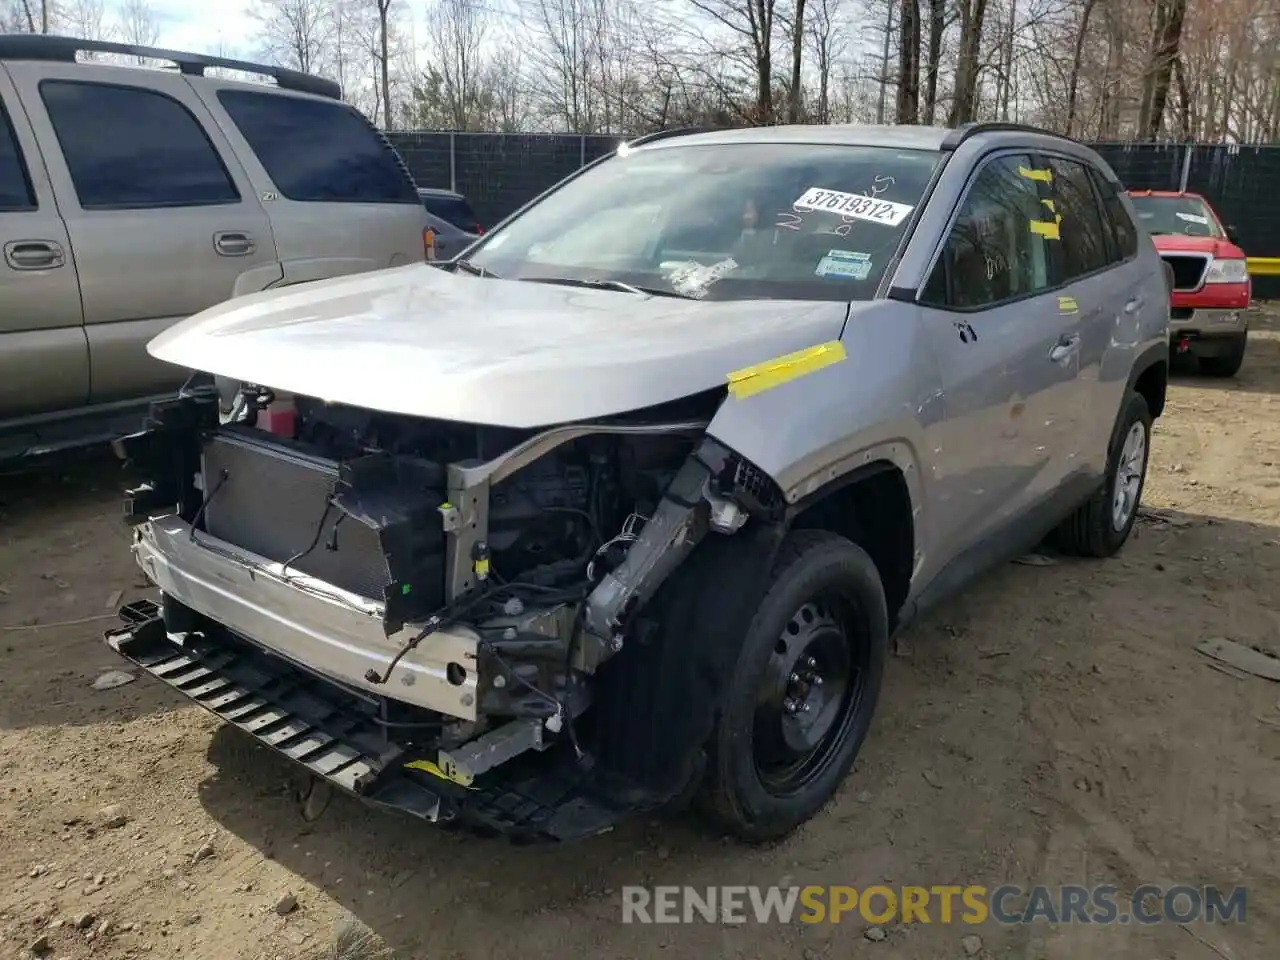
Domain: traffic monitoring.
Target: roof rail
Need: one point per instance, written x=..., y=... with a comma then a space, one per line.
x=960, y=134
x=37, y=46
x=663, y=135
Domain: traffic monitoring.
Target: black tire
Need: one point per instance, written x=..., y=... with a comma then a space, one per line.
x=1091, y=531
x=1227, y=364
x=837, y=582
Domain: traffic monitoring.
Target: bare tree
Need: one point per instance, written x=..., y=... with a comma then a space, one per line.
x=1165, y=39
x=294, y=33
x=751, y=22
x=384, y=58
x=827, y=41
x=1086, y=11
x=795, y=92
x=138, y=23
x=909, y=62
x=933, y=61
x=86, y=19
x=455, y=77
x=964, y=101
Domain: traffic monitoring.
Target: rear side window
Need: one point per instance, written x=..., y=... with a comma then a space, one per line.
x=319, y=151
x=128, y=148
x=455, y=210
x=1124, y=235
x=15, y=185
x=1083, y=240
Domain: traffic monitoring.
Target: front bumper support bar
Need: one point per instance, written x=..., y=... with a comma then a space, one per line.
x=330, y=732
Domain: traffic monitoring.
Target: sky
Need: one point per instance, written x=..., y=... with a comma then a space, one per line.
x=198, y=26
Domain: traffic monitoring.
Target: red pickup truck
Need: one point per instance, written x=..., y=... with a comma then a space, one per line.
x=1211, y=287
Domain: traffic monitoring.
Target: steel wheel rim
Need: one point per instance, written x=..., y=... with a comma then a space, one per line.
x=809, y=696
x=1131, y=465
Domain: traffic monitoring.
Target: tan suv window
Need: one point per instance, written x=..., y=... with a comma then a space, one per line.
x=15, y=186
x=318, y=151
x=130, y=148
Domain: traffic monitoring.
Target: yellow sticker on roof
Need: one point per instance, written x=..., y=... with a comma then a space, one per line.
x=749, y=381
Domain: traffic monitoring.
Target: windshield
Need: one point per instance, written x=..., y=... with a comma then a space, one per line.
x=1189, y=216
x=723, y=222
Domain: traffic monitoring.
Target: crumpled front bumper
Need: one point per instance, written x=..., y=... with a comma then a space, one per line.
x=331, y=734
x=314, y=624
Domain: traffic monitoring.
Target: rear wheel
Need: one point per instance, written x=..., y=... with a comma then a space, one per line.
x=1226, y=364
x=1101, y=525
x=803, y=690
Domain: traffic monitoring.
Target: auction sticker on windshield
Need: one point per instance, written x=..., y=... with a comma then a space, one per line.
x=854, y=205
x=845, y=263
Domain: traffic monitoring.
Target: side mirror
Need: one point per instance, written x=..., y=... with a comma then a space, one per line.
x=1233, y=235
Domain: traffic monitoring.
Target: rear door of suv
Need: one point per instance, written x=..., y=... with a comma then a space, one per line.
x=162, y=221
x=340, y=198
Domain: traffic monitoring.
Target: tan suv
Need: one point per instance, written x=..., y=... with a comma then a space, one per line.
x=133, y=197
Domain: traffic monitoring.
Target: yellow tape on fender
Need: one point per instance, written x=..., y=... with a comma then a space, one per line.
x=749, y=381
x=1044, y=176
x=1068, y=305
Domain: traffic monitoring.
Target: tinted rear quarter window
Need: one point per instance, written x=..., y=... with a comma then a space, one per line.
x=15, y=185
x=1124, y=234
x=319, y=151
x=130, y=148
x=1084, y=242
x=455, y=210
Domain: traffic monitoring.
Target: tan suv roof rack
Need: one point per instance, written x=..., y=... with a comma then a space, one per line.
x=37, y=46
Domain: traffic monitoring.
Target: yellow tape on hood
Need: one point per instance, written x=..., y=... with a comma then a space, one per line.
x=755, y=379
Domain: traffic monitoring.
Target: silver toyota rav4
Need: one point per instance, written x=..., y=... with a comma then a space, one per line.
x=622, y=510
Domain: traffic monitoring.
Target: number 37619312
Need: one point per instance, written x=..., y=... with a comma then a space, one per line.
x=853, y=205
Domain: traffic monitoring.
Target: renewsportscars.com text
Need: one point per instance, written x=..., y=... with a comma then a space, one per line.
x=1146, y=904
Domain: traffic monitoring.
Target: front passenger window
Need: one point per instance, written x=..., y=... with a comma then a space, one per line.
x=996, y=251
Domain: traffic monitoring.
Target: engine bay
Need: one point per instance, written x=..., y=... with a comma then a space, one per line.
x=530, y=551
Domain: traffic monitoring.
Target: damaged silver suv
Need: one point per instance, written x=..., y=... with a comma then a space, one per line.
x=622, y=510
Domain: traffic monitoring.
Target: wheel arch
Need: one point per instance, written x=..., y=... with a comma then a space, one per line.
x=1149, y=376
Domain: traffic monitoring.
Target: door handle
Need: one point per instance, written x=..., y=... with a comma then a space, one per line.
x=33, y=254
x=230, y=243
x=1066, y=346
x=1134, y=305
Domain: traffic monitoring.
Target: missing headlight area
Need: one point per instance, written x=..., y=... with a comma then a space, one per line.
x=456, y=586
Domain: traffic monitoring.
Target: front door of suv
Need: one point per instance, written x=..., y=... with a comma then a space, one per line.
x=1008, y=357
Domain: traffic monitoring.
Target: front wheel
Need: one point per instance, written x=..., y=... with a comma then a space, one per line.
x=1101, y=525
x=803, y=691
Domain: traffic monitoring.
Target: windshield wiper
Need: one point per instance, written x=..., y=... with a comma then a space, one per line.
x=472, y=269
x=608, y=285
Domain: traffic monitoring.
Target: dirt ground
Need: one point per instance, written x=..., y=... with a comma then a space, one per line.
x=1054, y=725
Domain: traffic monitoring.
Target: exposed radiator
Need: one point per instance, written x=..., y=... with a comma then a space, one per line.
x=273, y=501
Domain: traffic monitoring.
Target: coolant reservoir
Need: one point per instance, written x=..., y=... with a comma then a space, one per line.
x=278, y=416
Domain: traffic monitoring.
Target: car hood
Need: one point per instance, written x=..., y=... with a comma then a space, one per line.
x=425, y=342
x=1180, y=243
